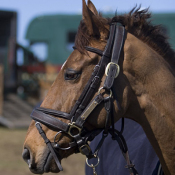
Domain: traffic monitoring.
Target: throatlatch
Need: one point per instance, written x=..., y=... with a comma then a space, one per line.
x=86, y=104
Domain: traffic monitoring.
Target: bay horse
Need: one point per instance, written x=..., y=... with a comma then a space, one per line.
x=143, y=91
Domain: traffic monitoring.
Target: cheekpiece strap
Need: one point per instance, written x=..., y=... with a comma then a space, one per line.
x=48, y=143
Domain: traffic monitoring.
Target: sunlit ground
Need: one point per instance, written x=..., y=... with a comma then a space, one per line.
x=11, y=162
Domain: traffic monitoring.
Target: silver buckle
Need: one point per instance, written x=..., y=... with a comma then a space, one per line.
x=99, y=91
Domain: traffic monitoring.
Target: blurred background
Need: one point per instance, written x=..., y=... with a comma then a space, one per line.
x=36, y=37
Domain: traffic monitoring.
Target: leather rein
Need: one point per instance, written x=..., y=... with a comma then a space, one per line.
x=84, y=106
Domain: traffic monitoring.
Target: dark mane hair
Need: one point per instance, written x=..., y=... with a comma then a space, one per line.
x=138, y=23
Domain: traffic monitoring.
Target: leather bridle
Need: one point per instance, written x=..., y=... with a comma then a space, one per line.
x=83, y=107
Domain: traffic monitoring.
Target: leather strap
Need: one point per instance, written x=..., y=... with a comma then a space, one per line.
x=54, y=113
x=94, y=50
x=124, y=149
x=80, y=120
x=83, y=94
x=48, y=143
x=49, y=121
x=104, y=60
x=113, y=68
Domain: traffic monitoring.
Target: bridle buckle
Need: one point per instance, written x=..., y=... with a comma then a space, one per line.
x=74, y=130
x=108, y=66
x=83, y=147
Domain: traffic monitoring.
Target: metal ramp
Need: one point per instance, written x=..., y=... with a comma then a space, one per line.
x=16, y=112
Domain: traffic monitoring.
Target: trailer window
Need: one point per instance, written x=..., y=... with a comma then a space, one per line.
x=70, y=40
x=40, y=50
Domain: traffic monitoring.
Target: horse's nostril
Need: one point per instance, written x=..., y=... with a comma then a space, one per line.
x=26, y=156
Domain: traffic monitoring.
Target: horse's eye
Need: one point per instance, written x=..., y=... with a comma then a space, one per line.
x=71, y=74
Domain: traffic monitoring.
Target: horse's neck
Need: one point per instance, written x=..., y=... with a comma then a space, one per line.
x=153, y=83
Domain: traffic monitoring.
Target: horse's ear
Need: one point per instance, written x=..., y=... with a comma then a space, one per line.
x=92, y=22
x=92, y=7
x=87, y=18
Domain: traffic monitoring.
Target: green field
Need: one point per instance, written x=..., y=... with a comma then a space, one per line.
x=11, y=162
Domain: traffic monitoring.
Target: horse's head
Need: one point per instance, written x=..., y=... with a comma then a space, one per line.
x=68, y=88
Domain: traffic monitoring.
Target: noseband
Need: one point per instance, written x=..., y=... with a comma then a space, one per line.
x=84, y=106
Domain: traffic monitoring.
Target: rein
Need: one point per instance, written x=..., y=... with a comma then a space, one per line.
x=85, y=105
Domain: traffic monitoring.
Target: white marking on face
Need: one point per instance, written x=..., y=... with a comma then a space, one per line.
x=63, y=64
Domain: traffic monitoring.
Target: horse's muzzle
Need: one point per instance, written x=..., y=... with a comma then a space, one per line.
x=27, y=158
x=41, y=167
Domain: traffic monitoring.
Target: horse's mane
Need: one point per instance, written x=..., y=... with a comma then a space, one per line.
x=138, y=23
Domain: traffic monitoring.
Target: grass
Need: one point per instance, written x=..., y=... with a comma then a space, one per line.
x=11, y=162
